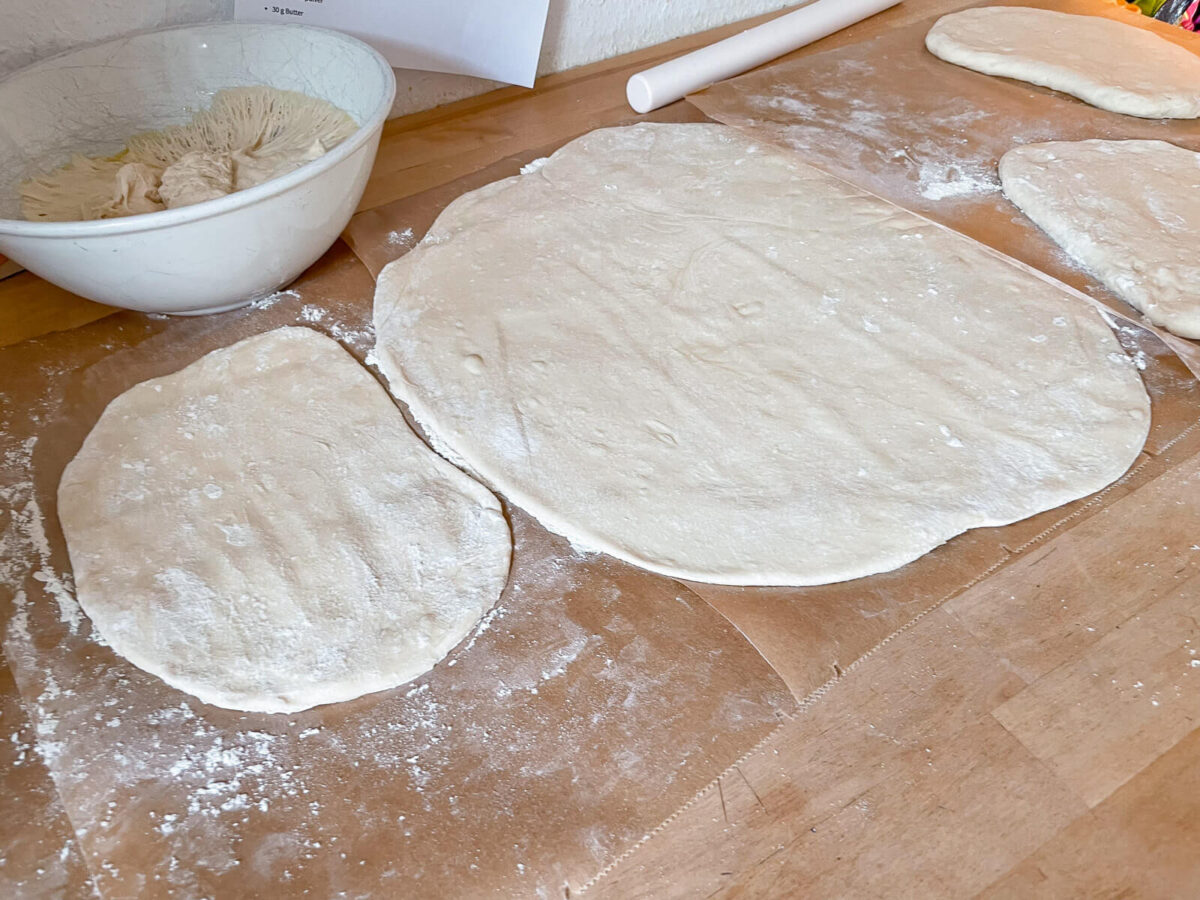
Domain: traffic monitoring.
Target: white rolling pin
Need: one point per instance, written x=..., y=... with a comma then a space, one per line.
x=672, y=80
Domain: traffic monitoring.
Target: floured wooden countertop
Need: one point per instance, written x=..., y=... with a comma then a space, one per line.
x=1016, y=714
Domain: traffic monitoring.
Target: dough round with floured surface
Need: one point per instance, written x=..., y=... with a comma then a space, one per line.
x=705, y=357
x=1109, y=64
x=1128, y=211
x=263, y=530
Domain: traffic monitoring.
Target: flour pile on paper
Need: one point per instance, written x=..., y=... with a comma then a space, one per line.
x=1128, y=211
x=264, y=531
x=707, y=358
x=1104, y=62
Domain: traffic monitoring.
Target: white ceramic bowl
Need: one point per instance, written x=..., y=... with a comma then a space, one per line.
x=215, y=255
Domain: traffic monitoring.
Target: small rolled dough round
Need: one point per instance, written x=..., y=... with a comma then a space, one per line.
x=1109, y=64
x=700, y=355
x=263, y=530
x=1128, y=211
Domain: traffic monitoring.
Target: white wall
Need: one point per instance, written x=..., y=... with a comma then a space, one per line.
x=33, y=29
x=577, y=32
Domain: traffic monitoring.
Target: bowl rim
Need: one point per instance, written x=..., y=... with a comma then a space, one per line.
x=220, y=205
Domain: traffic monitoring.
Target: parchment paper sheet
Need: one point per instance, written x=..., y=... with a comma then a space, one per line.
x=812, y=635
x=592, y=705
x=40, y=855
x=890, y=117
x=593, y=701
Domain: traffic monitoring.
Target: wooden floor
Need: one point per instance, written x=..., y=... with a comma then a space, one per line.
x=1037, y=736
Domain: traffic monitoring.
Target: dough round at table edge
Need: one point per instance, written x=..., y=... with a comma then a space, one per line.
x=1110, y=79
x=1128, y=211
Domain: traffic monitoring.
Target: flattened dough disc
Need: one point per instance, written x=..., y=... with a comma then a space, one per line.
x=1128, y=211
x=262, y=530
x=1109, y=64
x=700, y=355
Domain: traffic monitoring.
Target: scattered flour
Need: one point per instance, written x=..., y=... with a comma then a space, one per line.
x=401, y=238
x=943, y=180
x=269, y=301
x=26, y=529
x=129, y=755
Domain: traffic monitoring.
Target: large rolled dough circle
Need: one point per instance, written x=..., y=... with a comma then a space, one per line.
x=1109, y=64
x=703, y=356
x=262, y=530
x=1129, y=211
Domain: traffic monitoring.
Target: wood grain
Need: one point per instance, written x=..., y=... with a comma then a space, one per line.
x=428, y=149
x=998, y=746
x=898, y=783
x=30, y=307
x=1141, y=842
x=1006, y=745
x=435, y=147
x=1074, y=591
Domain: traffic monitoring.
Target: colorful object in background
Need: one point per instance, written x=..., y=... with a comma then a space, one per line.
x=1184, y=13
x=1191, y=17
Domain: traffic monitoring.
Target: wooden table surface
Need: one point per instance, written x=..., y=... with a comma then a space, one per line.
x=1032, y=737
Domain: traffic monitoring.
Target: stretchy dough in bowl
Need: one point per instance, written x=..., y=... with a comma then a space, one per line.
x=248, y=136
x=700, y=355
x=1128, y=211
x=262, y=530
x=205, y=257
x=1109, y=64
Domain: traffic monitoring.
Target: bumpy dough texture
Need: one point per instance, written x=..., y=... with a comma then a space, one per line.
x=248, y=136
x=1128, y=211
x=262, y=530
x=707, y=358
x=1104, y=62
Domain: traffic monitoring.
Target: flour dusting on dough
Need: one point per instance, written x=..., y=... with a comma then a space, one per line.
x=272, y=576
x=591, y=364
x=1127, y=211
x=223, y=801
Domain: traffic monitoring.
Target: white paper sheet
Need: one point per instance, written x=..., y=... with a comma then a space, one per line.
x=497, y=40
